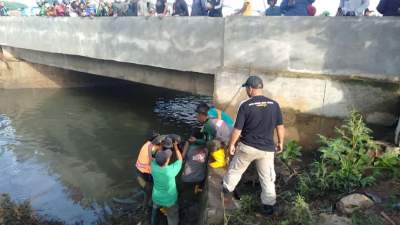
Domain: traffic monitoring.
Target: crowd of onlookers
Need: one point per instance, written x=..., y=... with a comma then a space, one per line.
x=212, y=8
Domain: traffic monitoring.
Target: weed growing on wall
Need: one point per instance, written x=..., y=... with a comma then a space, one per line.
x=347, y=162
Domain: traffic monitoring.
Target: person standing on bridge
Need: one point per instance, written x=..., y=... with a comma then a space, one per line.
x=215, y=8
x=389, y=7
x=352, y=7
x=199, y=8
x=295, y=7
x=3, y=9
x=180, y=8
x=273, y=9
x=253, y=133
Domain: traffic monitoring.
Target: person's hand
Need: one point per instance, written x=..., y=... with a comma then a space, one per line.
x=279, y=148
x=175, y=144
x=192, y=140
x=231, y=149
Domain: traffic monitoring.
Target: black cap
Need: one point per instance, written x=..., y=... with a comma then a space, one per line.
x=152, y=135
x=163, y=156
x=202, y=108
x=167, y=143
x=254, y=82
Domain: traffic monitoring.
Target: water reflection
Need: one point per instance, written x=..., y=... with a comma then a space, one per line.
x=70, y=151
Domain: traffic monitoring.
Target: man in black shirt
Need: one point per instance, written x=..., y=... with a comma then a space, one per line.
x=256, y=121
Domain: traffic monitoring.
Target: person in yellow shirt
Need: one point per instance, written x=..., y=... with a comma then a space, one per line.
x=246, y=9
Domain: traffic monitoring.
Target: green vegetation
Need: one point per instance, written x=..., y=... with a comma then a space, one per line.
x=291, y=153
x=347, y=162
x=362, y=219
x=244, y=215
x=12, y=213
x=393, y=204
x=325, y=13
x=300, y=213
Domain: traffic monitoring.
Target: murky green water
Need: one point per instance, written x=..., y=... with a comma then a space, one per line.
x=71, y=151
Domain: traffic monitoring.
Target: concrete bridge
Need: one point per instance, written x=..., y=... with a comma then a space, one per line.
x=314, y=65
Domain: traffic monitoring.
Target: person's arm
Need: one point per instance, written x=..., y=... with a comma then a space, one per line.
x=381, y=6
x=244, y=7
x=280, y=131
x=220, y=3
x=165, y=8
x=237, y=131
x=185, y=149
x=202, y=141
x=209, y=134
x=232, y=142
x=177, y=152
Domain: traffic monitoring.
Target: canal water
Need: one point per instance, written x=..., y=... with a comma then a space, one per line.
x=71, y=152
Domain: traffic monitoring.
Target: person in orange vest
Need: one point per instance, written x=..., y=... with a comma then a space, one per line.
x=143, y=165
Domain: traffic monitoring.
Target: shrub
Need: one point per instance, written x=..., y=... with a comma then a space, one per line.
x=300, y=213
x=389, y=162
x=12, y=213
x=345, y=164
x=291, y=153
x=359, y=218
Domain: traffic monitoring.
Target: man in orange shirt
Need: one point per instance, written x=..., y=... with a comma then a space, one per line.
x=144, y=178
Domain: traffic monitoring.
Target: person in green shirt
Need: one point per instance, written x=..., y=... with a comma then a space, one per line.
x=165, y=195
x=213, y=112
x=207, y=130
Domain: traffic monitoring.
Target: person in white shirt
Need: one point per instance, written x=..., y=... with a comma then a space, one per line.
x=352, y=7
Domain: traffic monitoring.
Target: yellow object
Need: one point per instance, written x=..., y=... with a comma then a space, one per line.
x=219, y=158
x=197, y=189
x=164, y=210
x=248, y=10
